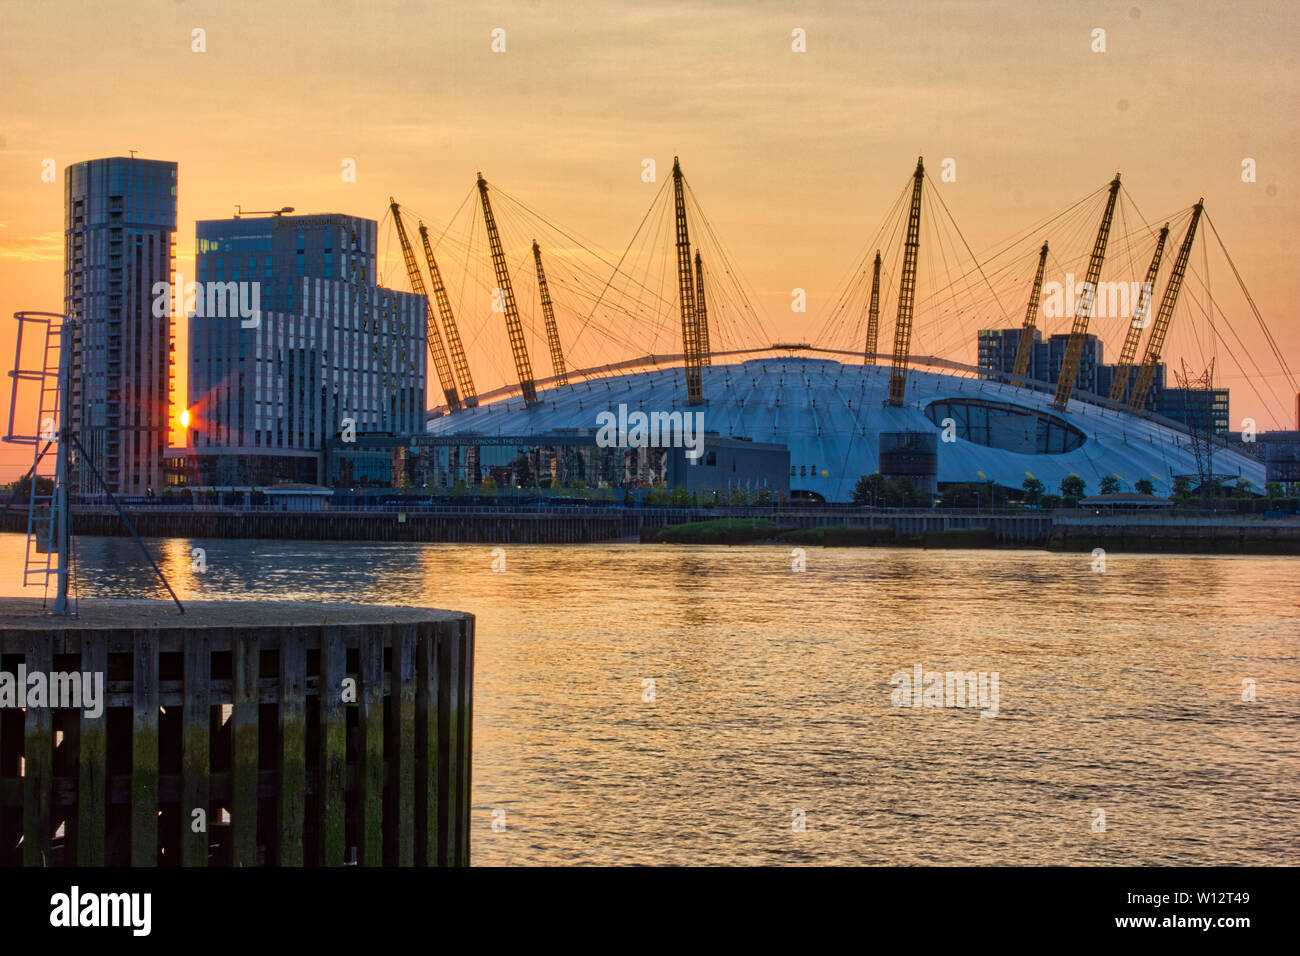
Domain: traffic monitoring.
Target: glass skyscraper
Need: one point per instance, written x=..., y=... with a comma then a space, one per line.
x=119, y=231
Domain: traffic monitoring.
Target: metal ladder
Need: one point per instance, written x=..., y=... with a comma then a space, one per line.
x=49, y=515
x=47, y=334
x=41, y=558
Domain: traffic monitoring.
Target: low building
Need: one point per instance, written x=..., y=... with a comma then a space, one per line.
x=559, y=459
x=730, y=464
x=298, y=497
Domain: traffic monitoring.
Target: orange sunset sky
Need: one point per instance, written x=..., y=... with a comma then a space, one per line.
x=797, y=157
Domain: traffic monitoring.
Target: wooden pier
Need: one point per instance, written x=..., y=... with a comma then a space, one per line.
x=239, y=734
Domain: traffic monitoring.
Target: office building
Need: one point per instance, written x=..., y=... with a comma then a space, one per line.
x=328, y=352
x=997, y=353
x=997, y=359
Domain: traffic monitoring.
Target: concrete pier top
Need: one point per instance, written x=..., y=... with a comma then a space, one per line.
x=96, y=613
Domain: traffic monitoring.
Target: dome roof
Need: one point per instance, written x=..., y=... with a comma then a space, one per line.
x=830, y=415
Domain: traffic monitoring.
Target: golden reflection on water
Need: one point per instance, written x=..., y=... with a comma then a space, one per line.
x=1119, y=690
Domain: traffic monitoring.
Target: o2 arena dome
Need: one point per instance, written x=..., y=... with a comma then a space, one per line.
x=831, y=415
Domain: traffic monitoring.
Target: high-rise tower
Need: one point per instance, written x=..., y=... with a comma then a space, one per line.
x=119, y=231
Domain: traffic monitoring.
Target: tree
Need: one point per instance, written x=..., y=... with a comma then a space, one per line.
x=405, y=482
x=1051, y=502
x=1182, y=490
x=1071, y=489
x=1273, y=490
x=1033, y=491
x=763, y=497
x=903, y=493
x=1244, y=488
x=965, y=495
x=1110, y=485
x=1143, y=486
x=658, y=495
x=682, y=498
x=869, y=489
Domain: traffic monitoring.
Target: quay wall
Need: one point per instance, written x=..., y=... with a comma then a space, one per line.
x=1057, y=530
x=499, y=526
x=1175, y=534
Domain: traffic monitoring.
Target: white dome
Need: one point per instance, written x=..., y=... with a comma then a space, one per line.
x=830, y=416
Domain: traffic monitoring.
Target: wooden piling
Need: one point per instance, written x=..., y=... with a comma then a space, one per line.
x=38, y=757
x=245, y=666
x=196, y=765
x=334, y=755
x=279, y=763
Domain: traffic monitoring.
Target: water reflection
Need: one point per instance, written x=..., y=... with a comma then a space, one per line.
x=1119, y=690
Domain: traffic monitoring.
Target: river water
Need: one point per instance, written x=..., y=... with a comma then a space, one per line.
x=768, y=733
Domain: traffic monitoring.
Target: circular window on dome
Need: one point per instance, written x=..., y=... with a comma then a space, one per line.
x=1009, y=427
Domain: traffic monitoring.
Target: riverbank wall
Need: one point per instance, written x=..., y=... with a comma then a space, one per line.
x=1058, y=530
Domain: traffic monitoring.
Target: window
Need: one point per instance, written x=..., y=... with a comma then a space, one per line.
x=1005, y=426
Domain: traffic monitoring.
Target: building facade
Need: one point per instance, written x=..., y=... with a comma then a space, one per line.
x=276, y=251
x=1197, y=408
x=997, y=355
x=119, y=235
x=330, y=354
x=1282, y=458
x=566, y=458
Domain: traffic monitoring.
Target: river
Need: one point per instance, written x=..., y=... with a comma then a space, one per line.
x=639, y=704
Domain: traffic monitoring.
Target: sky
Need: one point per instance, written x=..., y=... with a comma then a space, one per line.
x=797, y=156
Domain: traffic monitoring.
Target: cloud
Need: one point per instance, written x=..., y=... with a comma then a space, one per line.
x=44, y=247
